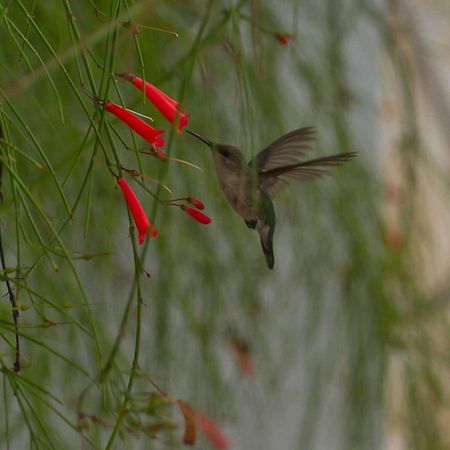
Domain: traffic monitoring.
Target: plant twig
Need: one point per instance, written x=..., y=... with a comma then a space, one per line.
x=12, y=297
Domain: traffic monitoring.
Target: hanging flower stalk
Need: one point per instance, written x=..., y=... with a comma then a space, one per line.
x=168, y=107
x=150, y=134
x=141, y=220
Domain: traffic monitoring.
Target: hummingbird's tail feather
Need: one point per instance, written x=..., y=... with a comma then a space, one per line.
x=270, y=259
x=199, y=136
x=266, y=236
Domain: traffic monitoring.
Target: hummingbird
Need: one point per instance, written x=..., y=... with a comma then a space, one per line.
x=251, y=187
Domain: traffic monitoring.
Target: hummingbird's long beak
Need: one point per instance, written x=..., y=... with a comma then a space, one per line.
x=198, y=136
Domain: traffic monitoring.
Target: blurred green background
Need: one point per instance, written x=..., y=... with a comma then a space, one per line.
x=344, y=345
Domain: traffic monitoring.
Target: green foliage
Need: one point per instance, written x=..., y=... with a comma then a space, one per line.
x=111, y=334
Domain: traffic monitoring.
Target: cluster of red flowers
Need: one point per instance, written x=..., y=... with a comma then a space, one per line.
x=170, y=109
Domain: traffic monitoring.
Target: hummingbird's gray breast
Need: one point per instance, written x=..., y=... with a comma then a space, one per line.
x=239, y=187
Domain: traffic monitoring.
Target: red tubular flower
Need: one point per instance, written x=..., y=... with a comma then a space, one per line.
x=168, y=107
x=283, y=38
x=212, y=432
x=140, y=218
x=196, y=202
x=196, y=214
x=150, y=134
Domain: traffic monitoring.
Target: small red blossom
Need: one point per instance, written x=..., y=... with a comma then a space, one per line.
x=283, y=38
x=196, y=215
x=196, y=202
x=153, y=231
x=168, y=107
x=150, y=134
x=394, y=238
x=243, y=358
x=194, y=419
x=212, y=432
x=141, y=220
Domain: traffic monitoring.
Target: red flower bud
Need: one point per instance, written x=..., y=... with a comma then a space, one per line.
x=196, y=202
x=243, y=357
x=150, y=134
x=140, y=218
x=153, y=231
x=168, y=107
x=283, y=38
x=159, y=153
x=196, y=215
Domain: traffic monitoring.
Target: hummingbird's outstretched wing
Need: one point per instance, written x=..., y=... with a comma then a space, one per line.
x=273, y=180
x=285, y=151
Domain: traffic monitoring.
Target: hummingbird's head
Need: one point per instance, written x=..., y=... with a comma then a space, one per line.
x=224, y=155
x=228, y=156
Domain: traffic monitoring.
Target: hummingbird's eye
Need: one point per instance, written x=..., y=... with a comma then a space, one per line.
x=224, y=152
